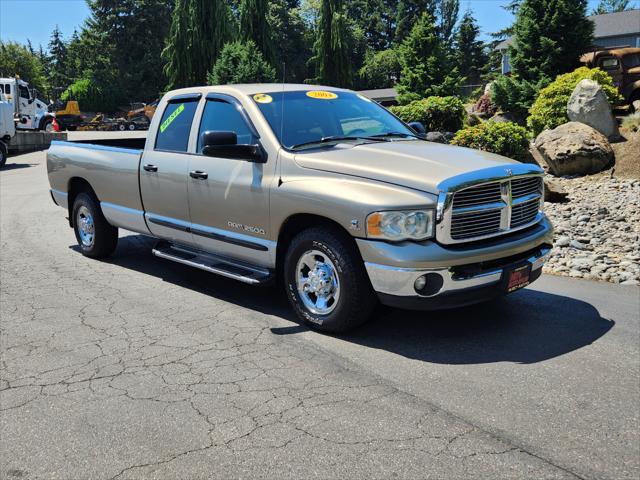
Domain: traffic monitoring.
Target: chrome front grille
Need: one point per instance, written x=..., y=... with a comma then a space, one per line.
x=489, y=209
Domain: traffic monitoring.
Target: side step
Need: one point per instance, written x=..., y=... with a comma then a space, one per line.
x=212, y=263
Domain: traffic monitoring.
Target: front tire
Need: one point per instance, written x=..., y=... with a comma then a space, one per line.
x=326, y=282
x=95, y=236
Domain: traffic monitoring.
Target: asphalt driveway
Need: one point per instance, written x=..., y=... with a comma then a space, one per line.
x=141, y=368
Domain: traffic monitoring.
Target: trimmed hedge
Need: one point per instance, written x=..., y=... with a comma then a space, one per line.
x=503, y=138
x=437, y=114
x=550, y=108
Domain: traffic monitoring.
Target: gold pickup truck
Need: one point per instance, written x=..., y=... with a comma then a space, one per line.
x=318, y=188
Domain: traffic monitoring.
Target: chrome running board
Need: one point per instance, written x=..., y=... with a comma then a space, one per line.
x=212, y=263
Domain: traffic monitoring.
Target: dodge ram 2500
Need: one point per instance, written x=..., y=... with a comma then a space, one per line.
x=316, y=187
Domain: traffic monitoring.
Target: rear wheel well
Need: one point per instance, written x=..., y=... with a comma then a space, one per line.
x=77, y=186
x=296, y=224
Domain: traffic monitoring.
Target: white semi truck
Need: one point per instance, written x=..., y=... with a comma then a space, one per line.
x=29, y=112
x=7, y=127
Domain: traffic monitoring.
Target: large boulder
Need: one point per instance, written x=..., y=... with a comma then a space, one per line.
x=574, y=149
x=588, y=104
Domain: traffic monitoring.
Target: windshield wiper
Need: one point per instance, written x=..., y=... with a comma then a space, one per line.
x=396, y=134
x=335, y=138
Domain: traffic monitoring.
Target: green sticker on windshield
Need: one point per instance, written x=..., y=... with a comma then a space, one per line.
x=171, y=118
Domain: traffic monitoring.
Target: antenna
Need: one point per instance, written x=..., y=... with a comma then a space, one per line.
x=284, y=71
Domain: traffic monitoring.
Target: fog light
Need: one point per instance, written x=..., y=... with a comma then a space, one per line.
x=428, y=284
x=420, y=283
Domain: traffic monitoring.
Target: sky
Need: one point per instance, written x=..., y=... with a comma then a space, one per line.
x=35, y=19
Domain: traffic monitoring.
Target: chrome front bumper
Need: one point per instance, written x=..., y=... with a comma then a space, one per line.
x=400, y=282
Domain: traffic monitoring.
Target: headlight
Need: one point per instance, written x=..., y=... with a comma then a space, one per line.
x=400, y=225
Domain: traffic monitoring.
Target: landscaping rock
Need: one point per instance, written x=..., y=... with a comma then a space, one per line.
x=437, y=137
x=609, y=243
x=574, y=149
x=553, y=192
x=588, y=104
x=504, y=117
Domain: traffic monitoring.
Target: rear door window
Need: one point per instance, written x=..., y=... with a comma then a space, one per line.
x=175, y=126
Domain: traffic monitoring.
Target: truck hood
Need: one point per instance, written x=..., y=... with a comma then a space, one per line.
x=415, y=164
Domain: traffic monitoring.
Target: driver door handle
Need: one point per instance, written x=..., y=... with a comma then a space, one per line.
x=199, y=174
x=150, y=168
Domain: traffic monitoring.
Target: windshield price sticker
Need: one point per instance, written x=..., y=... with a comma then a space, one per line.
x=322, y=95
x=171, y=118
x=262, y=98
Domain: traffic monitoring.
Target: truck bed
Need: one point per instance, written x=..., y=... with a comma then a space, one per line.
x=111, y=167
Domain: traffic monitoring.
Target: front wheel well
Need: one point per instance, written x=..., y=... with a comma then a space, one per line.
x=296, y=224
x=77, y=185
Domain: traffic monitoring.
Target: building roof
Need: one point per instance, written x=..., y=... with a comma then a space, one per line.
x=605, y=25
x=616, y=24
x=380, y=94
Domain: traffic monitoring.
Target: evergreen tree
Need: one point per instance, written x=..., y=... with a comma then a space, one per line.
x=58, y=58
x=332, y=45
x=128, y=36
x=426, y=70
x=376, y=19
x=448, y=11
x=470, y=55
x=241, y=62
x=289, y=34
x=254, y=25
x=199, y=30
x=611, y=6
x=408, y=14
x=550, y=36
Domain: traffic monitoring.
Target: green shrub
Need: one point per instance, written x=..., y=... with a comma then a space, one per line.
x=241, y=62
x=503, y=138
x=437, y=114
x=513, y=95
x=550, y=108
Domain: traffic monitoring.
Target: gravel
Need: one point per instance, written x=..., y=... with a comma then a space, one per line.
x=597, y=232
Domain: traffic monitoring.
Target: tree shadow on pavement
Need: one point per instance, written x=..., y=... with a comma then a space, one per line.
x=525, y=327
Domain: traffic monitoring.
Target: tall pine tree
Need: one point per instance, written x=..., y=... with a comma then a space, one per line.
x=426, y=69
x=57, y=59
x=254, y=25
x=332, y=45
x=470, y=55
x=550, y=36
x=199, y=30
x=408, y=14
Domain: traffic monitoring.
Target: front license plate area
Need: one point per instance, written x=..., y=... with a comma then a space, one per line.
x=517, y=277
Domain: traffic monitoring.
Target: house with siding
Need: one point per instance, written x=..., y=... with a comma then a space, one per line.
x=620, y=29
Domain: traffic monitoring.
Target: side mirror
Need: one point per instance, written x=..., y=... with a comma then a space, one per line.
x=31, y=100
x=225, y=145
x=418, y=128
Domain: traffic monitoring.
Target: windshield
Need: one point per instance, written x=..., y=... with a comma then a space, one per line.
x=314, y=116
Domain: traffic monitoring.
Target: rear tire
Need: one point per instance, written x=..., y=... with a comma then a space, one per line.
x=95, y=236
x=326, y=282
x=3, y=154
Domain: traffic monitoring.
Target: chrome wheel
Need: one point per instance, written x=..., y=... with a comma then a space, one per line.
x=86, y=227
x=49, y=127
x=317, y=282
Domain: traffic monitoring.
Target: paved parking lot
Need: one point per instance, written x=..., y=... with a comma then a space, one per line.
x=141, y=368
